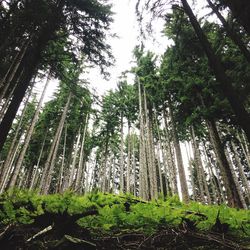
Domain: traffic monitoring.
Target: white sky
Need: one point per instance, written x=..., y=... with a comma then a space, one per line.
x=126, y=27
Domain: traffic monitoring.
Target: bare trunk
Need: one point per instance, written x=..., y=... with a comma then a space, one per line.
x=170, y=156
x=28, y=137
x=121, y=158
x=35, y=174
x=148, y=112
x=50, y=162
x=200, y=170
x=61, y=172
x=80, y=170
x=182, y=175
x=143, y=174
x=241, y=172
x=232, y=193
x=129, y=159
x=72, y=169
x=237, y=184
x=14, y=142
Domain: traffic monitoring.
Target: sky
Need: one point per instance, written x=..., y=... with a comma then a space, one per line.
x=126, y=27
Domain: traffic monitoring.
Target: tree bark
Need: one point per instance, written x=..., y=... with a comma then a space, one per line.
x=231, y=190
x=80, y=170
x=182, y=175
x=28, y=136
x=50, y=162
x=121, y=157
x=143, y=173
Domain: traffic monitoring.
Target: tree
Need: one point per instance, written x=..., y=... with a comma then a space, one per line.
x=58, y=18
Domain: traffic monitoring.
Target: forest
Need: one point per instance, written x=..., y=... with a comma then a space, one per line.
x=162, y=162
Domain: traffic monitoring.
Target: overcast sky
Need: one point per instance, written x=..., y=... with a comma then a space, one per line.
x=126, y=27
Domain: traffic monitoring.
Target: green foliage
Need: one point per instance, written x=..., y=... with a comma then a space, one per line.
x=122, y=213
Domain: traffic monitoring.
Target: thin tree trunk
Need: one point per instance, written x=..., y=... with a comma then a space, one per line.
x=50, y=162
x=129, y=159
x=80, y=170
x=241, y=172
x=134, y=164
x=143, y=175
x=182, y=176
x=161, y=149
x=72, y=169
x=150, y=148
x=35, y=175
x=190, y=161
x=61, y=172
x=237, y=184
x=14, y=142
x=28, y=136
x=121, y=157
x=7, y=175
x=201, y=174
x=231, y=190
x=170, y=154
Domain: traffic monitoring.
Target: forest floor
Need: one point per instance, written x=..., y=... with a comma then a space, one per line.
x=99, y=221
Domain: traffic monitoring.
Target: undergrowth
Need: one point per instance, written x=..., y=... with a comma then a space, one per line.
x=121, y=213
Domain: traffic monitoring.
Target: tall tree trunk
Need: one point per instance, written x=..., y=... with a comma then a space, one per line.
x=170, y=154
x=201, y=175
x=7, y=174
x=28, y=136
x=226, y=86
x=241, y=172
x=50, y=162
x=217, y=184
x=129, y=158
x=143, y=173
x=35, y=174
x=71, y=174
x=182, y=175
x=231, y=190
x=61, y=176
x=80, y=170
x=190, y=165
x=8, y=99
x=121, y=157
x=15, y=140
x=160, y=149
x=237, y=184
x=103, y=172
x=148, y=112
